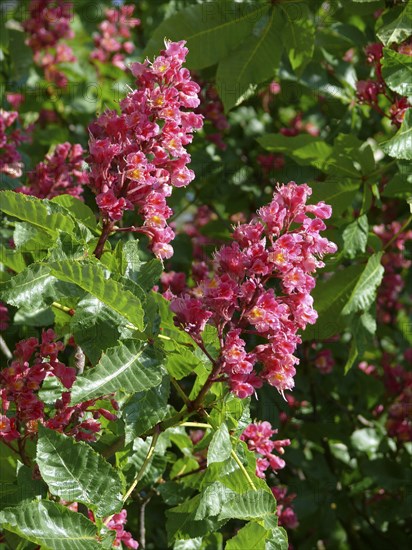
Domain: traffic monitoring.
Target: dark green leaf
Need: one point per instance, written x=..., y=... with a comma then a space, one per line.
x=220, y=447
x=50, y=525
x=400, y=145
x=131, y=367
x=355, y=236
x=74, y=472
x=364, y=292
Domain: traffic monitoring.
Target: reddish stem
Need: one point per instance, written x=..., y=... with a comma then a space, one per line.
x=107, y=229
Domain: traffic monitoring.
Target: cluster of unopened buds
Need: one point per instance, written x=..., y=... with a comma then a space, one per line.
x=48, y=24
x=61, y=172
x=22, y=409
x=138, y=156
x=261, y=286
x=369, y=91
x=257, y=436
x=113, y=41
x=10, y=138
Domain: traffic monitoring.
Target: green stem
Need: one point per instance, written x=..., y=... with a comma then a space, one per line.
x=144, y=465
x=405, y=225
x=65, y=309
x=195, y=425
x=243, y=469
x=181, y=393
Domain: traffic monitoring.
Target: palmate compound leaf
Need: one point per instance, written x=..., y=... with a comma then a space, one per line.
x=256, y=61
x=75, y=472
x=90, y=276
x=364, y=292
x=212, y=30
x=50, y=525
x=132, y=367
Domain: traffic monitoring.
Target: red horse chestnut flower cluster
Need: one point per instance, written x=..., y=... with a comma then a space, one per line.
x=368, y=91
x=258, y=439
x=48, y=24
x=113, y=39
x=287, y=517
x=139, y=155
x=261, y=286
x=34, y=361
x=394, y=261
x=60, y=173
x=10, y=138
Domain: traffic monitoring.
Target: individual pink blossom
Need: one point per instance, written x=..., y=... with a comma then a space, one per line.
x=113, y=41
x=324, y=361
x=47, y=25
x=60, y=173
x=258, y=439
x=138, y=156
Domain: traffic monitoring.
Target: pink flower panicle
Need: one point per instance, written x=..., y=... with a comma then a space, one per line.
x=48, y=24
x=394, y=261
x=61, y=172
x=369, y=91
x=10, y=138
x=4, y=317
x=287, y=517
x=139, y=155
x=238, y=301
x=258, y=439
x=34, y=361
x=117, y=523
x=113, y=41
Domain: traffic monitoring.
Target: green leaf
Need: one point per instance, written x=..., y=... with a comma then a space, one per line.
x=41, y=213
x=131, y=367
x=364, y=292
x=304, y=149
x=355, y=236
x=400, y=145
x=220, y=446
x=251, y=505
x=145, y=409
x=330, y=297
x=91, y=277
x=339, y=193
x=51, y=525
x=32, y=287
x=77, y=209
x=252, y=535
x=278, y=540
x=95, y=327
x=399, y=29
x=75, y=472
x=397, y=71
x=298, y=34
x=212, y=30
x=253, y=63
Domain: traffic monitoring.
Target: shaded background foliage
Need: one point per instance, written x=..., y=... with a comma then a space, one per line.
x=294, y=93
